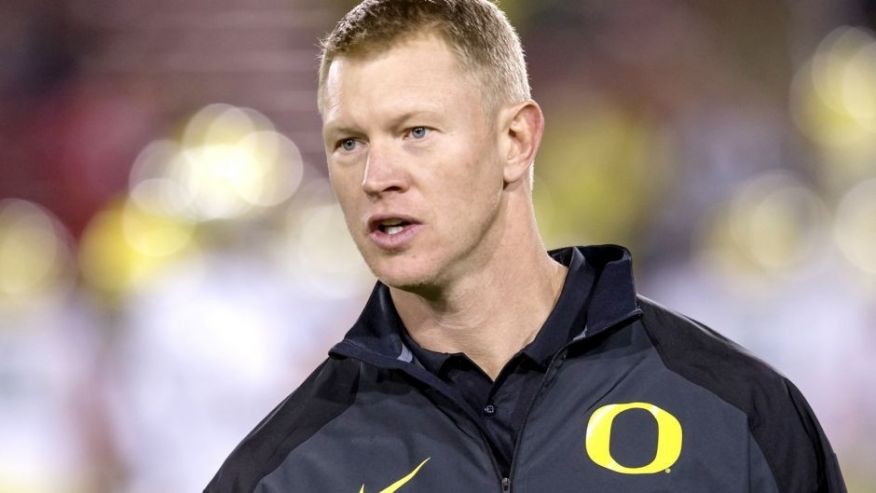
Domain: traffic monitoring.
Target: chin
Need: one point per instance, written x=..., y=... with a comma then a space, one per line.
x=406, y=281
x=404, y=274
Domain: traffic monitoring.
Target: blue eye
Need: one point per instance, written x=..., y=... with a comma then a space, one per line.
x=348, y=144
x=419, y=132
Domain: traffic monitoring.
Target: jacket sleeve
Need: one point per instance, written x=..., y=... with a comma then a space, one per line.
x=827, y=470
x=792, y=453
x=324, y=395
x=796, y=448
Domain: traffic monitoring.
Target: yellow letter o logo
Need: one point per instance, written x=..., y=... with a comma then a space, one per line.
x=598, y=440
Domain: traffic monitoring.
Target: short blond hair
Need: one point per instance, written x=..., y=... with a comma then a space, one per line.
x=483, y=39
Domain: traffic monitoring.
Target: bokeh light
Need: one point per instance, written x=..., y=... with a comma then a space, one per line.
x=318, y=247
x=772, y=225
x=34, y=253
x=834, y=103
x=233, y=160
x=856, y=226
x=152, y=185
x=229, y=163
x=125, y=246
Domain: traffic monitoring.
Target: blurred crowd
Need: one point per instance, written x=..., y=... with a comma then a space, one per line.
x=173, y=263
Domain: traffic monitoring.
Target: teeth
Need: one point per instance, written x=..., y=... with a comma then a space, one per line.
x=391, y=222
x=394, y=229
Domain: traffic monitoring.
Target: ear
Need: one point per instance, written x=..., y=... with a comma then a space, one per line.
x=522, y=128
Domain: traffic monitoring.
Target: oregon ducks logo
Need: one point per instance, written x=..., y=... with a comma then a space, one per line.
x=598, y=440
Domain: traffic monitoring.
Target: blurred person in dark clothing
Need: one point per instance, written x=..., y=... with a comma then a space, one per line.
x=482, y=362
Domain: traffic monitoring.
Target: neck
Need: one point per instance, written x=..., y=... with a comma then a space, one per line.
x=493, y=311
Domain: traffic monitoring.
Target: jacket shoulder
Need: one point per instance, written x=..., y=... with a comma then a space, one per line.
x=324, y=395
x=703, y=355
x=779, y=418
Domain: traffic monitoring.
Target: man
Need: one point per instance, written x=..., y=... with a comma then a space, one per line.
x=482, y=363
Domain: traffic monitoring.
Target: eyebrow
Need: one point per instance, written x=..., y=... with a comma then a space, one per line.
x=332, y=132
x=413, y=114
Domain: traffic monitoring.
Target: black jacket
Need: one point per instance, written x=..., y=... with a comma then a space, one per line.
x=641, y=399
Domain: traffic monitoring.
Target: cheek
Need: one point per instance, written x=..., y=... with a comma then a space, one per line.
x=345, y=190
x=344, y=182
x=471, y=197
x=481, y=180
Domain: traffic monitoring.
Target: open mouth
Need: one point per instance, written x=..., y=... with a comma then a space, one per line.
x=393, y=232
x=393, y=226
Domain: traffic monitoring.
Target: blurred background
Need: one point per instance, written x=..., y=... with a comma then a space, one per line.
x=172, y=261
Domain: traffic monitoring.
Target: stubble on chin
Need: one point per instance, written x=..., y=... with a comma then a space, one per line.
x=411, y=275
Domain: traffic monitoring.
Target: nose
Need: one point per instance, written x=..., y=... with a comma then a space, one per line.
x=383, y=173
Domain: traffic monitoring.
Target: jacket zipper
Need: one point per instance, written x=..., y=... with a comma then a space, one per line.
x=393, y=364
x=506, y=482
x=552, y=367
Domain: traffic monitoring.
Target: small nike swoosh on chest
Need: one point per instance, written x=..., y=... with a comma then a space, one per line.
x=401, y=482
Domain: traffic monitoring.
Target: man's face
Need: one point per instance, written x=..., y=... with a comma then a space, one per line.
x=414, y=161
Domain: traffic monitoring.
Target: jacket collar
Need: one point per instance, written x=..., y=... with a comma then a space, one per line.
x=599, y=293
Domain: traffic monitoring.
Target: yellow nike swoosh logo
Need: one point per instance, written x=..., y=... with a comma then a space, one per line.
x=401, y=482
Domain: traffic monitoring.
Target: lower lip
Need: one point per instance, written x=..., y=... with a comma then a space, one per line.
x=397, y=241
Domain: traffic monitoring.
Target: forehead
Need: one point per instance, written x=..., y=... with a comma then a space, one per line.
x=421, y=72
